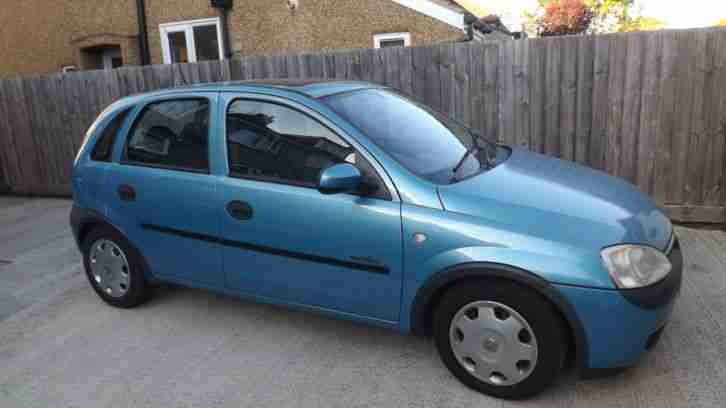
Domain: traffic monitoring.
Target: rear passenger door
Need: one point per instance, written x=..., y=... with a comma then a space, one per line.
x=162, y=192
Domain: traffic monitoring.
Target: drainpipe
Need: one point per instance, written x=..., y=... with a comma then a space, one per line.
x=224, y=6
x=144, y=56
x=469, y=21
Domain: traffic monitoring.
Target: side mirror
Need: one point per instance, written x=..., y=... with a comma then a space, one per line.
x=340, y=178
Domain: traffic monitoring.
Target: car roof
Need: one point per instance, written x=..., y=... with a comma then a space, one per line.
x=315, y=88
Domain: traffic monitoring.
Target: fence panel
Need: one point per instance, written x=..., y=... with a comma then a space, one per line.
x=648, y=107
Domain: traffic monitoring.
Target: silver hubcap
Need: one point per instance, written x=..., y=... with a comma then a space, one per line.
x=493, y=342
x=110, y=268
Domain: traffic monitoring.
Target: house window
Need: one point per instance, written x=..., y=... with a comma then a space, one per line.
x=191, y=41
x=101, y=57
x=392, y=40
x=111, y=58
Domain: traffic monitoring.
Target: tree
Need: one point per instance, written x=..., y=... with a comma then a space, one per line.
x=607, y=15
x=612, y=15
x=563, y=17
x=642, y=23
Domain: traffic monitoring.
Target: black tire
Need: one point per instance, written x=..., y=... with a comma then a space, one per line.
x=546, y=324
x=139, y=290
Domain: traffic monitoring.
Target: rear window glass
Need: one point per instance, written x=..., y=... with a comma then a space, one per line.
x=171, y=134
x=104, y=147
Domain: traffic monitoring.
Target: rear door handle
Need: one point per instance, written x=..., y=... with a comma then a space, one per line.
x=239, y=210
x=126, y=193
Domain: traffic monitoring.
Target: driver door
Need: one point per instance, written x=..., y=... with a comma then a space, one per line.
x=284, y=240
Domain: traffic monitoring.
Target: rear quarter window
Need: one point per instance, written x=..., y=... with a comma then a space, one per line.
x=104, y=146
x=94, y=126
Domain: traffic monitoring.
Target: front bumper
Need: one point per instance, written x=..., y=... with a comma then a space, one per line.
x=620, y=325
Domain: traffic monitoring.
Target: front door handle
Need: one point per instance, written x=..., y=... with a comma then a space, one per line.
x=239, y=210
x=126, y=193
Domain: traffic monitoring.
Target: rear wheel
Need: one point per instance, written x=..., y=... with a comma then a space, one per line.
x=114, y=269
x=499, y=338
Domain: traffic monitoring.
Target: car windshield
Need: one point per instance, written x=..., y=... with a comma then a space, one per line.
x=422, y=140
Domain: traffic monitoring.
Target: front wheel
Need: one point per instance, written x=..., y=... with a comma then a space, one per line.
x=499, y=338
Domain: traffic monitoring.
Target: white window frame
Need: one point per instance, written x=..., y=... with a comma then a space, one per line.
x=187, y=27
x=378, y=38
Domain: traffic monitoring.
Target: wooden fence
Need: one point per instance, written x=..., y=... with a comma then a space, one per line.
x=649, y=107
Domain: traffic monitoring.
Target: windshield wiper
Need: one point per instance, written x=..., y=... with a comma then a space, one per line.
x=475, y=148
x=469, y=152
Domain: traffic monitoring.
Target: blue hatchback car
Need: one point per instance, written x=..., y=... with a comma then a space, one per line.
x=347, y=198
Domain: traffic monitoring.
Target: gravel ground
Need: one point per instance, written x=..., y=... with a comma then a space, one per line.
x=60, y=346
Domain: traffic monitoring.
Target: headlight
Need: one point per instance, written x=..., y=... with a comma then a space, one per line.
x=635, y=266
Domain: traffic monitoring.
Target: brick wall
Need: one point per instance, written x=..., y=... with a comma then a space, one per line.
x=329, y=24
x=41, y=36
x=264, y=27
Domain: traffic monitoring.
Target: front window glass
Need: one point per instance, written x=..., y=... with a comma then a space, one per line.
x=425, y=142
x=273, y=142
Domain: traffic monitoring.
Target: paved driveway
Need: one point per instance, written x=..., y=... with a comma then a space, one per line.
x=60, y=346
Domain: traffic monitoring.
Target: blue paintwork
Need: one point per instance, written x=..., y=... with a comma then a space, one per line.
x=322, y=89
x=586, y=208
x=617, y=331
x=532, y=212
x=341, y=178
x=301, y=219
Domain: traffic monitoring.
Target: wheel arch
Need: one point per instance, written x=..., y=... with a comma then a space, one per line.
x=433, y=289
x=83, y=221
